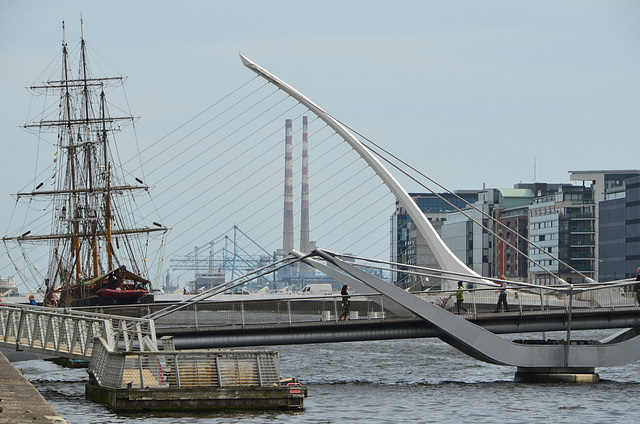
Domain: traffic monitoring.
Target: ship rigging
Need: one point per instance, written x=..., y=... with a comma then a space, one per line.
x=99, y=240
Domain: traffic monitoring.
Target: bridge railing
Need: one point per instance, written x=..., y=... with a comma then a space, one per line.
x=522, y=299
x=283, y=311
x=69, y=333
x=169, y=369
x=306, y=309
x=288, y=311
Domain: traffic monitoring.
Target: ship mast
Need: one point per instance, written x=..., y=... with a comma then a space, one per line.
x=86, y=143
x=107, y=167
x=71, y=155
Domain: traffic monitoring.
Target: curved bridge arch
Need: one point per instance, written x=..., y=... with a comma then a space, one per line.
x=445, y=257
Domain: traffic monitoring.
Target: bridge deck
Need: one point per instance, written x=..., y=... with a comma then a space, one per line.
x=214, y=335
x=293, y=321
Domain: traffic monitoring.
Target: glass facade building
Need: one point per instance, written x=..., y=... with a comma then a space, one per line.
x=578, y=233
x=619, y=228
x=562, y=225
x=407, y=244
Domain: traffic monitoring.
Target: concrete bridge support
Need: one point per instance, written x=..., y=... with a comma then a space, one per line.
x=556, y=375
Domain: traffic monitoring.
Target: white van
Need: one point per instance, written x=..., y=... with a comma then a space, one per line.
x=318, y=289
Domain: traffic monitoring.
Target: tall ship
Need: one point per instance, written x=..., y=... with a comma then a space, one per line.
x=98, y=240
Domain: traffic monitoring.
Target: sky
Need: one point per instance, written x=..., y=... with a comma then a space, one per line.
x=474, y=94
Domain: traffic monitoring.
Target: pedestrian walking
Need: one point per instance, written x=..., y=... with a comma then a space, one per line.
x=460, y=297
x=345, y=302
x=502, y=299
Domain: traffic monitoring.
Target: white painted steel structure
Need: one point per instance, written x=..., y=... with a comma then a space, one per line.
x=71, y=334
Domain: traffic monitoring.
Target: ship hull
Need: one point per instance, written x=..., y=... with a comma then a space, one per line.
x=102, y=301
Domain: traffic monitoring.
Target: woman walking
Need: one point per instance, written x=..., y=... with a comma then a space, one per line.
x=345, y=302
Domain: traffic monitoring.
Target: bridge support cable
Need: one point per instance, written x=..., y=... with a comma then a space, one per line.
x=256, y=273
x=402, y=168
x=342, y=277
x=486, y=346
x=445, y=257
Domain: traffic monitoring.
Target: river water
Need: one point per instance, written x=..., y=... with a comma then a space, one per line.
x=392, y=381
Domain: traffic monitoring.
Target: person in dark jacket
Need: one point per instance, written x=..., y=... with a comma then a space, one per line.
x=502, y=299
x=345, y=302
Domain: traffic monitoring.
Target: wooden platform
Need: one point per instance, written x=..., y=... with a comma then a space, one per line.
x=20, y=401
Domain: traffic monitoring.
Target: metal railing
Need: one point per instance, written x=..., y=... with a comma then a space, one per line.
x=291, y=311
x=69, y=333
x=171, y=369
x=532, y=298
x=283, y=311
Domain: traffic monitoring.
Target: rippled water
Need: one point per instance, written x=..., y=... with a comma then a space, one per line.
x=396, y=381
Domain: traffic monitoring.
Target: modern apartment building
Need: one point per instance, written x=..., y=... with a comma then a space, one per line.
x=605, y=185
x=407, y=244
x=618, y=232
x=492, y=248
x=578, y=232
x=562, y=226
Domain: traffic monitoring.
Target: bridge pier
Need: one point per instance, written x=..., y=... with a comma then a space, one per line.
x=556, y=375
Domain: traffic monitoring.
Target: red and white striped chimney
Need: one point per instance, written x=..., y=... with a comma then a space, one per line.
x=287, y=233
x=304, y=210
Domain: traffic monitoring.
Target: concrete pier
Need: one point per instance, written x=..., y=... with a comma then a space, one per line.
x=556, y=375
x=20, y=402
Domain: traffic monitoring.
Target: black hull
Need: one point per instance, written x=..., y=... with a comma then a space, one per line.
x=101, y=301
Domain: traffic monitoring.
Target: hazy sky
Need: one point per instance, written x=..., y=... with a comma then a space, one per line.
x=470, y=92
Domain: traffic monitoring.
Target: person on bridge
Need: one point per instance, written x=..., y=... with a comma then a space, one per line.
x=502, y=299
x=460, y=297
x=345, y=302
x=32, y=300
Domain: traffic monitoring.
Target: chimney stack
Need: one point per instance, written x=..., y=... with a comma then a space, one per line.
x=287, y=234
x=304, y=210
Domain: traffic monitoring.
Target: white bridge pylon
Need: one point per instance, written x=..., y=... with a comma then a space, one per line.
x=71, y=334
x=445, y=257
